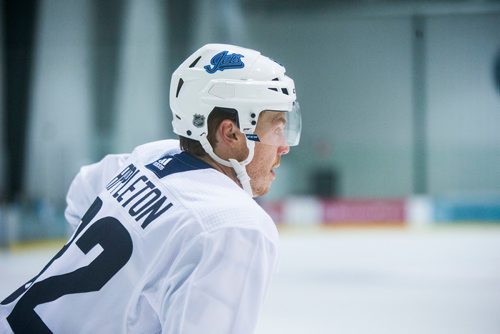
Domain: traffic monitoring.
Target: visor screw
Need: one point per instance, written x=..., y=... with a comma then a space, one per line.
x=252, y=115
x=188, y=132
x=254, y=122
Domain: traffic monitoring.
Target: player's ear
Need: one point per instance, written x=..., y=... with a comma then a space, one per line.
x=228, y=132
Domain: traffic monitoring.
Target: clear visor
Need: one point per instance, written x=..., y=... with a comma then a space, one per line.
x=278, y=128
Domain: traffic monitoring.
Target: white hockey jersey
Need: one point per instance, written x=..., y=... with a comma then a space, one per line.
x=163, y=243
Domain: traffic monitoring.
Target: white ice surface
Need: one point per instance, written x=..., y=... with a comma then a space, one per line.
x=363, y=281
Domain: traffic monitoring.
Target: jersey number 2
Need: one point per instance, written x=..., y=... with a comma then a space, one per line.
x=117, y=247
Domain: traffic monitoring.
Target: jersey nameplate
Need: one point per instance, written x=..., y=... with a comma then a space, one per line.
x=134, y=191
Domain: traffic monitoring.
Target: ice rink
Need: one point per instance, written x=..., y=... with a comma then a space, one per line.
x=444, y=280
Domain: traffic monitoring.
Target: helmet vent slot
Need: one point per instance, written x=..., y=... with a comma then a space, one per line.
x=179, y=86
x=283, y=90
x=193, y=64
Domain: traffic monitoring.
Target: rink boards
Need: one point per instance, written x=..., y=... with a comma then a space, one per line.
x=415, y=211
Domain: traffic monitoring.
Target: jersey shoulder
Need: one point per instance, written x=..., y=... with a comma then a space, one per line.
x=219, y=203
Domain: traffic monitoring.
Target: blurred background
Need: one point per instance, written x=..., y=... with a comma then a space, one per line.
x=392, y=199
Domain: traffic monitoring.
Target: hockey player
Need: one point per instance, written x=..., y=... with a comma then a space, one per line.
x=168, y=238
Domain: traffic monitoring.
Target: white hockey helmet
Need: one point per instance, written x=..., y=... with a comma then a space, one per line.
x=228, y=76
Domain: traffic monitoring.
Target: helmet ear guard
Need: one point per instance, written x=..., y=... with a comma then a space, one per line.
x=228, y=76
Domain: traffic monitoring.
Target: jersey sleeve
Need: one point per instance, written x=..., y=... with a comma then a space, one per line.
x=87, y=184
x=225, y=289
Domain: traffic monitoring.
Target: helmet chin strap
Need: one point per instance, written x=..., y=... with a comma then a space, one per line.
x=238, y=166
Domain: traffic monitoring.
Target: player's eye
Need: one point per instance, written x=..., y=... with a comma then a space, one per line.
x=279, y=130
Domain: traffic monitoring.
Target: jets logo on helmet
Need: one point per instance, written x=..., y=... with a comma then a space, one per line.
x=223, y=61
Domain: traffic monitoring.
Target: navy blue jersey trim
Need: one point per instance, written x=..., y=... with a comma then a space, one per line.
x=177, y=163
